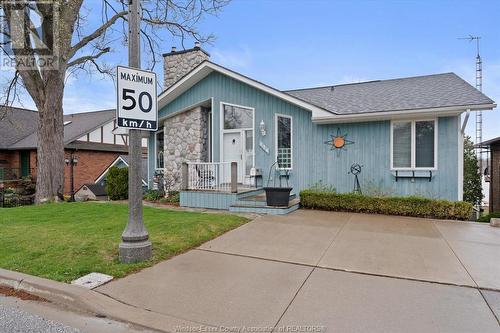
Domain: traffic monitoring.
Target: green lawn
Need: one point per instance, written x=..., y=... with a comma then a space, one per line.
x=68, y=240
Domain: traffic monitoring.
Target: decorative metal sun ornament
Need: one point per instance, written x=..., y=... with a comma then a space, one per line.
x=338, y=142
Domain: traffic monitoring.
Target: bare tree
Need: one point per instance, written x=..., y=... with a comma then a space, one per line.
x=73, y=48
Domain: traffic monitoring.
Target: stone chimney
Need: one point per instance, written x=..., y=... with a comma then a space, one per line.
x=176, y=64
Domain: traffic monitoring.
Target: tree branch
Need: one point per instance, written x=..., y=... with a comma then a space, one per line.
x=84, y=59
x=96, y=34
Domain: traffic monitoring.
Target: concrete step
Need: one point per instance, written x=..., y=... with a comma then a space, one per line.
x=250, y=207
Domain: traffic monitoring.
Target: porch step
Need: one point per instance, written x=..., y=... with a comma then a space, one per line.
x=258, y=200
x=245, y=206
x=250, y=193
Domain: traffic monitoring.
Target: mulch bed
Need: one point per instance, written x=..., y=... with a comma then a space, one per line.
x=11, y=292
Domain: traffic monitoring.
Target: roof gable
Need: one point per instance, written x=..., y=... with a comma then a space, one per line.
x=207, y=67
x=123, y=159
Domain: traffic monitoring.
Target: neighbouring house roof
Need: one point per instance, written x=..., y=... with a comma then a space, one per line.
x=125, y=160
x=489, y=142
x=439, y=94
x=77, y=125
x=82, y=145
x=411, y=93
x=16, y=124
x=97, y=189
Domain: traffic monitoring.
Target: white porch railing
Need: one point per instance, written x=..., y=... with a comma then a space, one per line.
x=210, y=176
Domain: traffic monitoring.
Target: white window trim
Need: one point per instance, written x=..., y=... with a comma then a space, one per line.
x=276, y=115
x=413, y=145
x=119, y=158
x=222, y=130
x=156, y=150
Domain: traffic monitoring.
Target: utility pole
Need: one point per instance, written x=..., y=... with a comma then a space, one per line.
x=135, y=245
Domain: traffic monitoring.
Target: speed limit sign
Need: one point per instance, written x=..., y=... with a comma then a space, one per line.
x=137, y=106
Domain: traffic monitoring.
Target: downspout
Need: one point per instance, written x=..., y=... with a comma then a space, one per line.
x=466, y=119
x=461, y=156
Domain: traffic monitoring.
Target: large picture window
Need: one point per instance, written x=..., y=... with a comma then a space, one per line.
x=284, y=141
x=237, y=117
x=414, y=144
x=159, y=149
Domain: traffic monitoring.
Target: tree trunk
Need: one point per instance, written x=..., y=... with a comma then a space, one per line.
x=50, y=145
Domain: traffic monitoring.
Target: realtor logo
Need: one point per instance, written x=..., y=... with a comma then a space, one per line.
x=137, y=99
x=29, y=35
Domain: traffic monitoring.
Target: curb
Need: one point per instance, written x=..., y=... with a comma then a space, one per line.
x=85, y=300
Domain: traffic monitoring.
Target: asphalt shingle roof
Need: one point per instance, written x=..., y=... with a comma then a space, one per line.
x=420, y=92
x=97, y=189
x=78, y=125
x=15, y=124
x=489, y=142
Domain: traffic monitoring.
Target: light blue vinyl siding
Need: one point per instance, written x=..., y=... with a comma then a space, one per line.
x=313, y=161
x=371, y=149
x=196, y=199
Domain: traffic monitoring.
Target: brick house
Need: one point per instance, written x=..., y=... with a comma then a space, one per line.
x=89, y=136
x=492, y=172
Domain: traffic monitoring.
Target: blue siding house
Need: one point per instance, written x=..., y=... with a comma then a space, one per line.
x=220, y=133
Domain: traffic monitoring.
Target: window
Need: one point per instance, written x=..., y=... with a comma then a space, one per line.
x=237, y=117
x=424, y=144
x=284, y=141
x=414, y=144
x=401, y=145
x=249, y=156
x=159, y=149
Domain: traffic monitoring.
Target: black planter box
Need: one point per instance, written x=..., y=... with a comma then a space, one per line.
x=277, y=196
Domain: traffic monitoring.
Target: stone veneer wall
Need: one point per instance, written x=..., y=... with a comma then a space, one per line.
x=179, y=63
x=186, y=140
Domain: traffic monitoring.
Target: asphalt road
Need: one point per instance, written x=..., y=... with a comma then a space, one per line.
x=19, y=316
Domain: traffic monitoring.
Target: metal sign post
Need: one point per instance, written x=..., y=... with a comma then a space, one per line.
x=135, y=245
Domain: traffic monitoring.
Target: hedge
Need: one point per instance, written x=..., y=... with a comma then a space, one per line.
x=117, y=183
x=405, y=206
x=488, y=217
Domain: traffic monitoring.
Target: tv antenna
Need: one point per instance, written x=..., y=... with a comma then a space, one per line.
x=479, y=113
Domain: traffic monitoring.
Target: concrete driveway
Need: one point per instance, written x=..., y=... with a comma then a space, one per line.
x=322, y=271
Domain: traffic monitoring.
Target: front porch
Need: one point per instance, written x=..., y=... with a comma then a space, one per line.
x=207, y=152
x=215, y=185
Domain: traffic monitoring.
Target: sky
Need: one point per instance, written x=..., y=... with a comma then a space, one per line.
x=305, y=43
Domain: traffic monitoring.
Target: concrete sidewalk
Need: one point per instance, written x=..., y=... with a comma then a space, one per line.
x=329, y=271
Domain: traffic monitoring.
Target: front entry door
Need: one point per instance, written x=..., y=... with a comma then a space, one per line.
x=25, y=163
x=237, y=138
x=233, y=152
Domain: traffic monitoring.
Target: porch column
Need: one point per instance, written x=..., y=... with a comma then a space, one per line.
x=234, y=177
x=184, y=176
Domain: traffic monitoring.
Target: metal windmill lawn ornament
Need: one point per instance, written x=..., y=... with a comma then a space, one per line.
x=338, y=142
x=356, y=170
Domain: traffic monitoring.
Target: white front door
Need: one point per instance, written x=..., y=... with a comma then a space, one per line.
x=237, y=124
x=233, y=152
